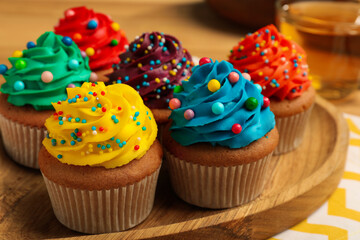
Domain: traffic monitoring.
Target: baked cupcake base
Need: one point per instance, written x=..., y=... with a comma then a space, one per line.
x=219, y=177
x=291, y=118
x=22, y=131
x=98, y=200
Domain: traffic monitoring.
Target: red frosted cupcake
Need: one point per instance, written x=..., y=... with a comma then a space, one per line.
x=99, y=37
x=279, y=65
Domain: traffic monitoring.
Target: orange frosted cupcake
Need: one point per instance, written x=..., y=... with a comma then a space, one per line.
x=100, y=160
x=279, y=66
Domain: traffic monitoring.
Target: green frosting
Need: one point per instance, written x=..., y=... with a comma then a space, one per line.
x=50, y=54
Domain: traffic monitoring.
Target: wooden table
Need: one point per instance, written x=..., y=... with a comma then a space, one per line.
x=201, y=31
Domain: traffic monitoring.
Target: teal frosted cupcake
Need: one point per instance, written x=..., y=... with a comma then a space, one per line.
x=221, y=139
x=39, y=75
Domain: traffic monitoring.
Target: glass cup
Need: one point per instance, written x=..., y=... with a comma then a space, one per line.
x=329, y=32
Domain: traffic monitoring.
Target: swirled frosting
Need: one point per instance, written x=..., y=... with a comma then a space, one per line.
x=219, y=106
x=276, y=63
x=100, y=126
x=96, y=34
x=154, y=64
x=62, y=63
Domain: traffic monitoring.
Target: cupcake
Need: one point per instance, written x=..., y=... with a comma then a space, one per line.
x=279, y=66
x=39, y=76
x=100, y=38
x=221, y=138
x=100, y=160
x=154, y=65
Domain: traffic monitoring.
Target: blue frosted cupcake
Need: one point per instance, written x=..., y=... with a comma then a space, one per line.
x=221, y=138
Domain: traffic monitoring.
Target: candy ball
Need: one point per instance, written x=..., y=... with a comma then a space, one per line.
x=114, y=42
x=71, y=85
x=234, y=77
x=19, y=86
x=3, y=68
x=174, y=103
x=92, y=24
x=178, y=89
x=236, y=128
x=83, y=54
x=69, y=13
x=67, y=41
x=73, y=64
x=204, y=60
x=93, y=77
x=115, y=26
x=246, y=76
x=90, y=51
x=214, y=85
x=20, y=64
x=77, y=36
x=17, y=54
x=30, y=45
x=266, y=102
x=258, y=86
x=217, y=108
x=251, y=103
x=47, y=76
x=189, y=114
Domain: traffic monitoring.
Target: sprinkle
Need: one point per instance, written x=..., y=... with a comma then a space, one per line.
x=93, y=109
x=251, y=103
x=72, y=143
x=136, y=147
x=214, y=85
x=94, y=132
x=174, y=103
x=189, y=114
x=143, y=128
x=59, y=156
x=61, y=122
x=236, y=128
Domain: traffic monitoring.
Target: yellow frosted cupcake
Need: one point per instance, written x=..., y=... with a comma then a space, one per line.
x=100, y=160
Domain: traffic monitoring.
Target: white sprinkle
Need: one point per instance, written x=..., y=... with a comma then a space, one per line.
x=139, y=138
x=131, y=117
x=178, y=67
x=94, y=132
x=163, y=40
x=149, y=47
x=137, y=37
x=126, y=47
x=64, y=119
x=175, y=70
x=133, y=107
x=97, y=98
x=157, y=96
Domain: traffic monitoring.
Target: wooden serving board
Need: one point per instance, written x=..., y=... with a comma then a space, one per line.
x=301, y=181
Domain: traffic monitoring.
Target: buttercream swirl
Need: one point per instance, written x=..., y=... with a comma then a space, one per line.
x=100, y=126
x=25, y=83
x=236, y=124
x=96, y=34
x=276, y=63
x=154, y=64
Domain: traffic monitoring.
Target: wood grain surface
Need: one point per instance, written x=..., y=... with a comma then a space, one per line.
x=301, y=181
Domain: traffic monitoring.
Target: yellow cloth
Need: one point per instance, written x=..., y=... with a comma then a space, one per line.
x=339, y=217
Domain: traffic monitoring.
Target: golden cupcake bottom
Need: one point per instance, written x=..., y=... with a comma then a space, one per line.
x=98, y=200
x=291, y=117
x=219, y=177
x=22, y=130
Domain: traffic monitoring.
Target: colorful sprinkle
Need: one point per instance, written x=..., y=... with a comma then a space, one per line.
x=214, y=85
x=204, y=60
x=266, y=102
x=236, y=128
x=19, y=86
x=20, y=64
x=189, y=114
x=251, y=103
x=174, y=103
x=92, y=24
x=67, y=41
x=17, y=54
x=217, y=108
x=47, y=77
x=233, y=77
